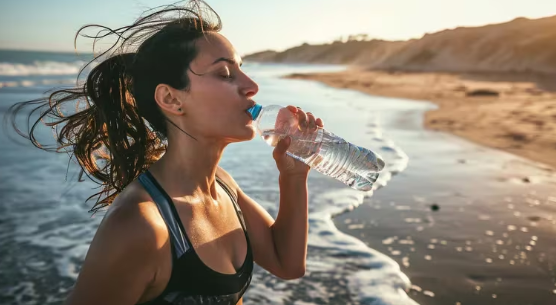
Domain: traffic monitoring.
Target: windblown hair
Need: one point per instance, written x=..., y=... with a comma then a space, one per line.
x=118, y=130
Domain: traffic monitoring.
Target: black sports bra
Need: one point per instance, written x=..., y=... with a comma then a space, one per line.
x=192, y=282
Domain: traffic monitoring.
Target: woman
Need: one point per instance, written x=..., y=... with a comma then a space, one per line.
x=178, y=230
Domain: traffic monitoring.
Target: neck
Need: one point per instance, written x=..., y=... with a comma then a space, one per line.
x=189, y=166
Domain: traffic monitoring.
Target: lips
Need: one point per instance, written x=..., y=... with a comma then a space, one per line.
x=249, y=114
x=247, y=110
x=250, y=106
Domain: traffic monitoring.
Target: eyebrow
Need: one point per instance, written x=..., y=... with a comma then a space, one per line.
x=228, y=60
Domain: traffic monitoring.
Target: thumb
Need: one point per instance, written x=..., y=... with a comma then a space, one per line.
x=281, y=148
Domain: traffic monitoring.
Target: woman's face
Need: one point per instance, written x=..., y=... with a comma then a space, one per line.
x=219, y=95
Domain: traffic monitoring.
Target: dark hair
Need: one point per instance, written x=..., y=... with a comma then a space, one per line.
x=121, y=131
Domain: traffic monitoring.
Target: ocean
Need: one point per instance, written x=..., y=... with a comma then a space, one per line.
x=45, y=227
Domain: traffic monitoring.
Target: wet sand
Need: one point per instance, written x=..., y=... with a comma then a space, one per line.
x=474, y=250
x=520, y=120
x=466, y=223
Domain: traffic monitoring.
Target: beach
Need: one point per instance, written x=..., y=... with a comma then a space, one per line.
x=450, y=221
x=460, y=106
x=468, y=224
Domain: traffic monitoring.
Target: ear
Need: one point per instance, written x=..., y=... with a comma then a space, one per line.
x=168, y=99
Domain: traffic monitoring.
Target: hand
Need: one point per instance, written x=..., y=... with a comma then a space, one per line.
x=286, y=164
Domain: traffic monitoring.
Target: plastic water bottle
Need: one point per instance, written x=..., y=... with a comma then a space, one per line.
x=329, y=154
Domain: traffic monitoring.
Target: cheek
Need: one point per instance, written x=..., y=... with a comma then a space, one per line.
x=221, y=120
x=217, y=107
x=216, y=90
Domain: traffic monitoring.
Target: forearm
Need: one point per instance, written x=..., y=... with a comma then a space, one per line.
x=290, y=229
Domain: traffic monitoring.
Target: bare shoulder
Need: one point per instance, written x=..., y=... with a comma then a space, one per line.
x=132, y=226
x=125, y=252
x=135, y=215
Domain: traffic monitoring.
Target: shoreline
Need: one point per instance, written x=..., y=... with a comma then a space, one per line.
x=467, y=225
x=513, y=113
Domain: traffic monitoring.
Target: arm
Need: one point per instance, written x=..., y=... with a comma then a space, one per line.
x=290, y=229
x=120, y=263
x=278, y=246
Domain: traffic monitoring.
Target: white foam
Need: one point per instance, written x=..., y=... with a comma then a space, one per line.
x=21, y=292
x=380, y=280
x=57, y=81
x=68, y=243
x=33, y=83
x=40, y=68
x=259, y=291
x=9, y=84
x=305, y=303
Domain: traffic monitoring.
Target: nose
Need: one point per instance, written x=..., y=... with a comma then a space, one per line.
x=250, y=88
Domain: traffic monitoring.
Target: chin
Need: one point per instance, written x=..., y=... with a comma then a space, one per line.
x=250, y=134
x=247, y=134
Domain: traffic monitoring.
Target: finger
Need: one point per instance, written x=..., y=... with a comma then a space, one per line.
x=281, y=148
x=302, y=119
x=320, y=123
x=312, y=125
x=293, y=109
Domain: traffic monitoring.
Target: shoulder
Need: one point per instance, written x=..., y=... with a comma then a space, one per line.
x=125, y=252
x=133, y=222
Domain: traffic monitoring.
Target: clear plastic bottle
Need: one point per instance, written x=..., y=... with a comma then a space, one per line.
x=327, y=153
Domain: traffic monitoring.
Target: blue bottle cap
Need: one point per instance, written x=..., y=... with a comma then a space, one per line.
x=255, y=110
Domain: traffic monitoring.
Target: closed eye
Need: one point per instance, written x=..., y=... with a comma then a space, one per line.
x=226, y=73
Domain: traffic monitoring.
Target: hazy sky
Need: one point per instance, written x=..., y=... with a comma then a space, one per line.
x=254, y=25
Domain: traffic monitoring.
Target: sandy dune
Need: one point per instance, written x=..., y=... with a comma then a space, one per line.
x=495, y=84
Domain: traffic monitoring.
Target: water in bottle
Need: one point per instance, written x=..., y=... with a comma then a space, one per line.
x=329, y=154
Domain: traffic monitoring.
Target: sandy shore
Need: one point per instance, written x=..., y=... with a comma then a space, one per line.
x=485, y=248
x=491, y=239
x=521, y=119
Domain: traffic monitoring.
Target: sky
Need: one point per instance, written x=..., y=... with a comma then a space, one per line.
x=256, y=25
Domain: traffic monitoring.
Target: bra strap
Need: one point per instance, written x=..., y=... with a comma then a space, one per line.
x=163, y=203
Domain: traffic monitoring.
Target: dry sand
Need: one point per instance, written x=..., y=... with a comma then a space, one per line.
x=520, y=120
